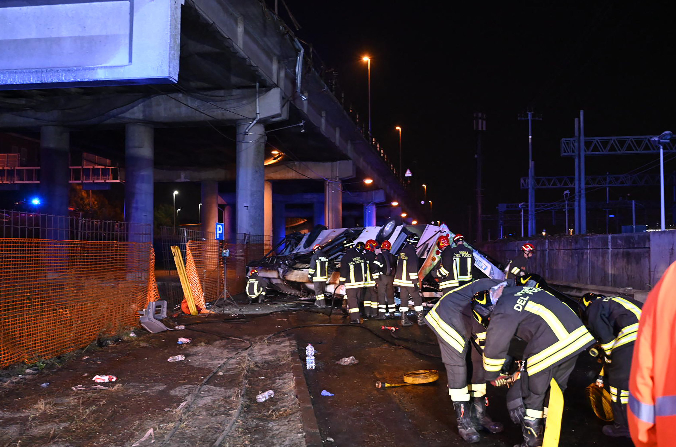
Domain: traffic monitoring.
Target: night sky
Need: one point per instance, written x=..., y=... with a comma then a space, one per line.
x=436, y=63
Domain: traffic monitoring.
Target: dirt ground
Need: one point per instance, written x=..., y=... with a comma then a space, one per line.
x=209, y=399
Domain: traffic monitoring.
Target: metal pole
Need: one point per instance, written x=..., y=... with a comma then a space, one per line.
x=633, y=216
x=400, y=174
x=531, y=178
x=662, y=223
x=369, y=73
x=521, y=206
x=577, y=176
x=583, y=193
x=174, y=213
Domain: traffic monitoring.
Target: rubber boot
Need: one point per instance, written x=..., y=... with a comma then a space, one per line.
x=319, y=302
x=404, y=319
x=620, y=427
x=465, y=427
x=533, y=431
x=382, y=315
x=480, y=417
x=421, y=319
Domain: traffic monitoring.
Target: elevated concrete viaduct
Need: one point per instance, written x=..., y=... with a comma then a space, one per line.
x=224, y=84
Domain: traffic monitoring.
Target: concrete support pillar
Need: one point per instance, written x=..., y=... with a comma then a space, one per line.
x=319, y=213
x=54, y=179
x=250, y=181
x=278, y=222
x=333, y=208
x=268, y=211
x=228, y=221
x=139, y=185
x=370, y=215
x=209, y=208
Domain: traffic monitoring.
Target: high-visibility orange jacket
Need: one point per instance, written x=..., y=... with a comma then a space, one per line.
x=652, y=383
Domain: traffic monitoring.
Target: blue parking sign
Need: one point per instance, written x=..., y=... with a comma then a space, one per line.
x=220, y=231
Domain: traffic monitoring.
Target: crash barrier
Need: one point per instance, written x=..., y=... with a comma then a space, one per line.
x=59, y=296
x=633, y=260
x=23, y=224
x=208, y=263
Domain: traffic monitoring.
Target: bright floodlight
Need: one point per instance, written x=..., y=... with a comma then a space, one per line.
x=35, y=201
x=404, y=214
x=394, y=203
x=366, y=58
x=368, y=181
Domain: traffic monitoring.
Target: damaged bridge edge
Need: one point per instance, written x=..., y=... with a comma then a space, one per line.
x=307, y=412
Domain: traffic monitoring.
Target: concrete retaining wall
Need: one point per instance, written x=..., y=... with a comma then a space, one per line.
x=617, y=260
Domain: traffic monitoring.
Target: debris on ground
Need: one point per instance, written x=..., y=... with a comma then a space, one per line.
x=150, y=433
x=326, y=393
x=345, y=361
x=44, y=385
x=176, y=358
x=184, y=340
x=310, y=357
x=262, y=397
x=104, y=378
x=389, y=328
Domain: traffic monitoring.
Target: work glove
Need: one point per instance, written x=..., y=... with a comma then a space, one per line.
x=502, y=380
x=599, y=381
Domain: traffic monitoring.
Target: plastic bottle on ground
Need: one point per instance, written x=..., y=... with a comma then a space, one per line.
x=262, y=397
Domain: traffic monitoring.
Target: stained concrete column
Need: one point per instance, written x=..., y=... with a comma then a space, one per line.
x=333, y=208
x=54, y=179
x=268, y=211
x=228, y=222
x=209, y=209
x=139, y=185
x=250, y=183
x=278, y=222
x=370, y=215
x=318, y=208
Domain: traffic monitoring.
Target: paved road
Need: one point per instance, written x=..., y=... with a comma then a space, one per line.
x=361, y=415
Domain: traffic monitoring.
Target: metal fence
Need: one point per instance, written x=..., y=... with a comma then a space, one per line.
x=27, y=225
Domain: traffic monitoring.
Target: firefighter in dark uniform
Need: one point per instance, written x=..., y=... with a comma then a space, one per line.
x=463, y=259
x=370, y=294
x=451, y=320
x=386, y=264
x=319, y=274
x=554, y=334
x=353, y=270
x=443, y=271
x=256, y=286
x=613, y=321
x=406, y=277
x=519, y=266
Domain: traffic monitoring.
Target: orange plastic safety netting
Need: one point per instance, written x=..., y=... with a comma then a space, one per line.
x=58, y=296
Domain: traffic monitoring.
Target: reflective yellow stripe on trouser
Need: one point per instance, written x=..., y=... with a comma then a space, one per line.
x=445, y=331
x=459, y=394
x=622, y=395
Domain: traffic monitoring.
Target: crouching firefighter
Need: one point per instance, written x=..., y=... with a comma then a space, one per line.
x=613, y=321
x=256, y=286
x=319, y=274
x=353, y=273
x=456, y=330
x=554, y=337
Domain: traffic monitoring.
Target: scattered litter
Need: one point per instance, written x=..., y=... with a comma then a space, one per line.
x=149, y=433
x=133, y=334
x=104, y=378
x=44, y=385
x=265, y=396
x=31, y=371
x=329, y=439
x=93, y=387
x=179, y=327
x=389, y=328
x=310, y=357
x=184, y=340
x=180, y=407
x=345, y=361
x=85, y=357
x=77, y=387
x=100, y=387
x=176, y=358
x=326, y=393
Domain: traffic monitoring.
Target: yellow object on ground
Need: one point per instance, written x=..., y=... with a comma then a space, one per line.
x=554, y=415
x=185, y=284
x=600, y=401
x=418, y=377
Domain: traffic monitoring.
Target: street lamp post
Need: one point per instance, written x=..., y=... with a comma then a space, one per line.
x=177, y=211
x=175, y=192
x=368, y=63
x=566, y=194
x=425, y=195
x=200, y=212
x=399, y=129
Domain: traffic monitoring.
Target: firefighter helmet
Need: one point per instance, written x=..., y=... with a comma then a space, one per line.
x=371, y=245
x=359, y=246
x=443, y=242
x=386, y=245
x=588, y=298
x=482, y=307
x=528, y=247
x=458, y=237
x=253, y=271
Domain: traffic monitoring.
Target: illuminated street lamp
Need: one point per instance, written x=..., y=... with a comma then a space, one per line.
x=404, y=214
x=394, y=203
x=368, y=62
x=200, y=212
x=177, y=211
x=175, y=192
x=368, y=181
x=399, y=129
x=425, y=188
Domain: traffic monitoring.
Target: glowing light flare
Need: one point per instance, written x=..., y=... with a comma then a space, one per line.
x=368, y=181
x=394, y=203
x=404, y=214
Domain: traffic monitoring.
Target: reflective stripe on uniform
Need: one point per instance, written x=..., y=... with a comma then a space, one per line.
x=575, y=341
x=459, y=394
x=451, y=283
x=631, y=307
x=444, y=330
x=443, y=271
x=554, y=323
x=354, y=309
x=627, y=335
x=403, y=283
x=493, y=365
x=477, y=389
x=534, y=414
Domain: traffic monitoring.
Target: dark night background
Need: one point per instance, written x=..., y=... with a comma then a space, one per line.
x=436, y=63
